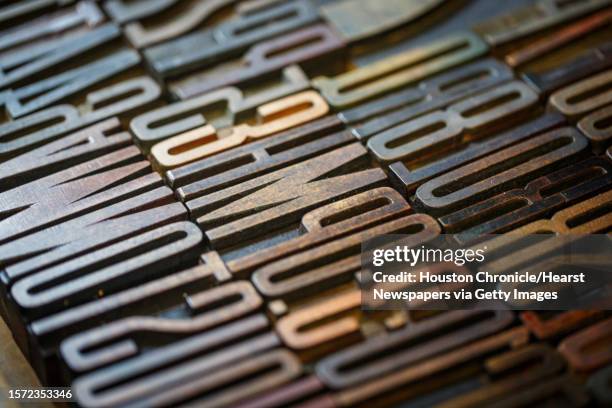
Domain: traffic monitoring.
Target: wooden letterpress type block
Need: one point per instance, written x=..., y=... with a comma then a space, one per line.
x=204, y=363
x=584, y=96
x=437, y=92
x=359, y=19
x=584, y=65
x=227, y=39
x=272, y=117
x=408, y=176
x=517, y=206
x=380, y=356
x=50, y=41
x=307, y=47
x=151, y=22
x=29, y=132
x=199, y=313
x=589, y=349
x=390, y=74
x=532, y=18
x=490, y=175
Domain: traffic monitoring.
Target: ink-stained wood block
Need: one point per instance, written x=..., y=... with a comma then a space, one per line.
x=288, y=80
x=40, y=288
x=268, y=202
x=359, y=19
x=151, y=22
x=123, y=11
x=59, y=154
x=584, y=65
x=408, y=176
x=18, y=11
x=203, y=362
x=530, y=19
x=550, y=325
x=308, y=47
x=379, y=356
x=151, y=297
x=329, y=255
x=370, y=118
x=49, y=41
x=599, y=385
x=221, y=109
x=541, y=196
x=392, y=73
x=197, y=313
x=306, y=391
x=500, y=172
x=253, y=159
x=457, y=125
x=56, y=88
x=330, y=323
x=59, y=196
x=577, y=34
x=589, y=349
x=583, y=96
x=29, y=132
x=272, y=117
x=228, y=39
x=597, y=127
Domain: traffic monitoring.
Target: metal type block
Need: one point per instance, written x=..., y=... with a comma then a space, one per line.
x=360, y=19
x=590, y=62
x=438, y=92
x=408, y=176
x=457, y=125
x=228, y=39
x=392, y=73
x=184, y=16
x=584, y=96
x=50, y=41
x=272, y=117
x=307, y=47
x=527, y=20
x=589, y=349
x=29, y=132
x=48, y=91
